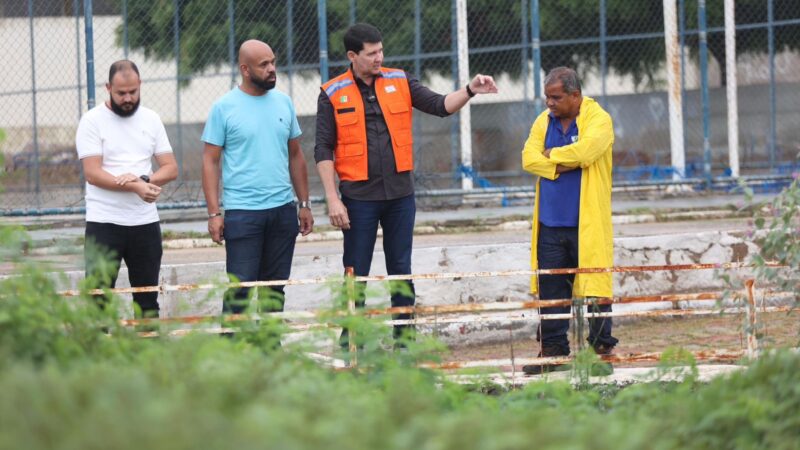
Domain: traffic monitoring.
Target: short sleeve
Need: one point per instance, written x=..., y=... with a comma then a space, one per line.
x=162, y=141
x=295, y=132
x=214, y=130
x=87, y=138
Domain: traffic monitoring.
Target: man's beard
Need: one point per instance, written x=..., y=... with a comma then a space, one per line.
x=118, y=109
x=263, y=83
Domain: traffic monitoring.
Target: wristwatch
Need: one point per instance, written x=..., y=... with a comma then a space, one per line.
x=304, y=204
x=145, y=178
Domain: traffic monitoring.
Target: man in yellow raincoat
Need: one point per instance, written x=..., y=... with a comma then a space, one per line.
x=569, y=148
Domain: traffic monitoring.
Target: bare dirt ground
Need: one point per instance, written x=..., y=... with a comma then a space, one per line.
x=779, y=330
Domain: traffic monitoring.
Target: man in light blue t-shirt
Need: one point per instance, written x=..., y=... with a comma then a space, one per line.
x=256, y=129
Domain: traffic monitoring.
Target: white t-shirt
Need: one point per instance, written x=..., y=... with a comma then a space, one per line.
x=127, y=145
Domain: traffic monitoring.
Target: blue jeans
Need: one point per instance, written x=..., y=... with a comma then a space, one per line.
x=259, y=245
x=558, y=248
x=396, y=217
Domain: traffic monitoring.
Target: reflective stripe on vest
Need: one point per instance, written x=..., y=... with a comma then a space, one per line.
x=394, y=97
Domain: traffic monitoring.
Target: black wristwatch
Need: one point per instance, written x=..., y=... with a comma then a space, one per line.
x=145, y=178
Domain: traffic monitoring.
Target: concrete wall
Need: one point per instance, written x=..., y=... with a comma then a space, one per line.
x=709, y=247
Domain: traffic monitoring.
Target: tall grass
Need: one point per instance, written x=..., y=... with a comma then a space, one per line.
x=71, y=378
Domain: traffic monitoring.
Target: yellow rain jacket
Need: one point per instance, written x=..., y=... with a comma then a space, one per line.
x=592, y=152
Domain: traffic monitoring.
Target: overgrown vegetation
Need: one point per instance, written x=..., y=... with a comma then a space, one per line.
x=71, y=377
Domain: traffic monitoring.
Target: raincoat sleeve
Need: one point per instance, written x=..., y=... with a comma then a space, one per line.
x=596, y=137
x=533, y=159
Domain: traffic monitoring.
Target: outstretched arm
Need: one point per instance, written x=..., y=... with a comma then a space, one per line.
x=481, y=84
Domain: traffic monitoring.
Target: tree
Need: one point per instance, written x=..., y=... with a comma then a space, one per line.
x=569, y=31
x=750, y=40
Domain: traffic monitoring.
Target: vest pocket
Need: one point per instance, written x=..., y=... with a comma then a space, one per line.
x=348, y=128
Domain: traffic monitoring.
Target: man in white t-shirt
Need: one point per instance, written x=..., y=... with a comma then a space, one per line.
x=116, y=142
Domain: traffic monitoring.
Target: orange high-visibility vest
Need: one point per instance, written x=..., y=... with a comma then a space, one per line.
x=394, y=97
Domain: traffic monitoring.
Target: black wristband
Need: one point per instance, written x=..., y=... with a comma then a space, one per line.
x=469, y=92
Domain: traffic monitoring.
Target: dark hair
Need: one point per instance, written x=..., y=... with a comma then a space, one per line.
x=568, y=78
x=358, y=34
x=121, y=66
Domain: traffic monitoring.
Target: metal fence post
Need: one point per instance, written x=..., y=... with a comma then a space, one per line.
x=417, y=65
x=524, y=54
x=773, y=114
x=232, y=41
x=33, y=98
x=322, y=19
x=682, y=45
x=703, y=38
x=76, y=13
x=124, y=28
x=603, y=53
x=465, y=114
x=290, y=44
x=537, y=58
x=454, y=150
x=89, y=30
x=730, y=88
x=352, y=12
x=176, y=23
x=674, y=98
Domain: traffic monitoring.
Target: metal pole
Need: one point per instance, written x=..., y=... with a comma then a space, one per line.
x=322, y=20
x=417, y=64
x=454, y=140
x=124, y=27
x=177, y=49
x=538, y=104
x=232, y=42
x=352, y=12
x=730, y=88
x=464, y=115
x=87, y=22
x=33, y=98
x=77, y=14
x=673, y=66
x=701, y=26
x=290, y=44
x=524, y=56
x=682, y=44
x=603, y=53
x=773, y=114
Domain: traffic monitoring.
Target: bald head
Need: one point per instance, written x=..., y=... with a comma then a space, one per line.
x=257, y=65
x=252, y=50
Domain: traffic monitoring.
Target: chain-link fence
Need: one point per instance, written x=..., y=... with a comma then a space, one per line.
x=186, y=52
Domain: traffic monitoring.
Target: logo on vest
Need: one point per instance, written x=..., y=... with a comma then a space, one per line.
x=574, y=139
x=343, y=99
x=389, y=89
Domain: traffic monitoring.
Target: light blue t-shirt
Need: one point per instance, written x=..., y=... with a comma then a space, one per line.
x=254, y=132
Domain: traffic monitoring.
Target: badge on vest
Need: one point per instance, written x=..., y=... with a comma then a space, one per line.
x=389, y=89
x=343, y=99
x=574, y=139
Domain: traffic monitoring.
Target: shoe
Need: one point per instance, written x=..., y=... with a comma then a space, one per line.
x=538, y=369
x=602, y=349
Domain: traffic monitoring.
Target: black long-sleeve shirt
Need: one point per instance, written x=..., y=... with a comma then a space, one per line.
x=384, y=182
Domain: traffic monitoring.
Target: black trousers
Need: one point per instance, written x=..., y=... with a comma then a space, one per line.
x=557, y=248
x=139, y=246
